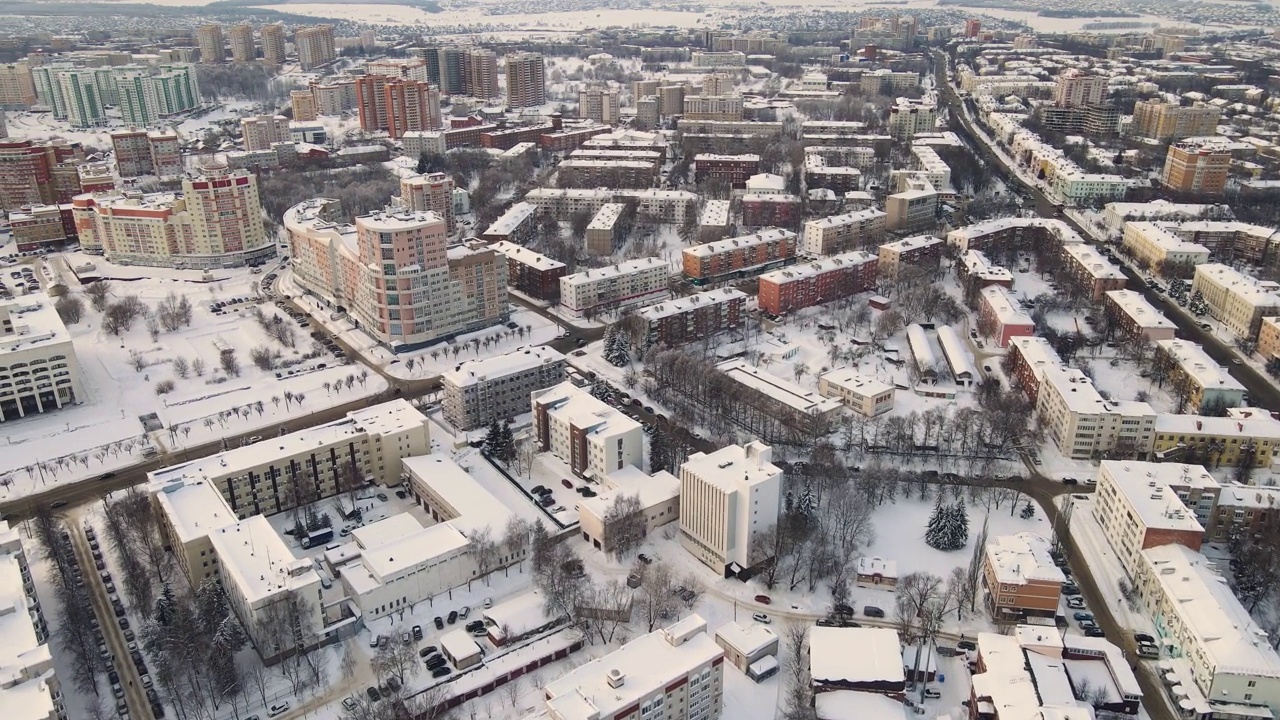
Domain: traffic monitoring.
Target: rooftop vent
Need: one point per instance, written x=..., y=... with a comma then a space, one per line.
x=616, y=678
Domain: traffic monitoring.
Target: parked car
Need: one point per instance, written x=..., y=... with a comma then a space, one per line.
x=967, y=645
x=761, y=618
x=464, y=612
x=872, y=611
x=1070, y=481
x=1082, y=616
x=567, y=483
x=1149, y=651
x=932, y=694
x=1094, y=632
x=453, y=616
x=1144, y=639
x=428, y=650
x=436, y=661
x=763, y=599
x=646, y=560
x=1075, y=602
x=417, y=632
x=440, y=671
x=374, y=695
x=439, y=623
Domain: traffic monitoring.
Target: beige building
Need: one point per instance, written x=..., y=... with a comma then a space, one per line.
x=478, y=392
x=867, y=396
x=261, y=132
x=1074, y=89
x=209, y=40
x=1084, y=424
x=1236, y=300
x=241, y=38
x=659, y=496
x=526, y=80
x=431, y=192
x=1269, y=337
x=628, y=283
x=1134, y=316
x=599, y=104
x=912, y=208
x=1196, y=167
x=1137, y=507
x=602, y=233
x=729, y=500
x=727, y=108
x=17, y=89
x=591, y=437
x=273, y=44
x=747, y=643
x=39, y=371
x=840, y=233
x=303, y=103
x=921, y=251
x=1169, y=121
x=31, y=688
x=1155, y=247
x=909, y=117
x=1206, y=383
x=1020, y=578
x=315, y=46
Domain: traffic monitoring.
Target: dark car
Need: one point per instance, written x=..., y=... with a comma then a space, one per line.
x=763, y=599
x=967, y=645
x=567, y=483
x=428, y=650
x=644, y=558
x=106, y=476
x=873, y=611
x=843, y=609
x=453, y=616
x=157, y=710
x=1094, y=632
x=440, y=671
x=1070, y=481
x=114, y=677
x=417, y=632
x=374, y=695
x=1144, y=638
x=439, y=623
x=436, y=661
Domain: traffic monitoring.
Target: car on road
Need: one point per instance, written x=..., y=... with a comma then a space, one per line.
x=106, y=476
x=872, y=611
x=1083, y=616
x=579, y=342
x=58, y=504
x=1148, y=651
x=1143, y=638
x=967, y=645
x=761, y=618
x=764, y=599
x=567, y=483
x=1070, y=481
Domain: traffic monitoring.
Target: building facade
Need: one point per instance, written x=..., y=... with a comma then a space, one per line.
x=1167, y=121
x=526, y=80
x=1236, y=300
x=1137, y=509
x=865, y=395
x=921, y=251
x=817, y=282
x=634, y=281
x=479, y=392
x=1134, y=316
x=1196, y=168
x=695, y=317
x=39, y=371
x=841, y=233
x=729, y=500
x=739, y=257
x=533, y=274
x=593, y=438
x=1020, y=579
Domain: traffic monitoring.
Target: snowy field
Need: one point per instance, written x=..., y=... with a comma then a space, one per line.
x=24, y=125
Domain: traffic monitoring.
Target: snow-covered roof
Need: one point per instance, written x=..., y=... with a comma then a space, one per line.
x=977, y=264
x=1080, y=396
x=852, y=218
x=629, y=267
x=413, y=552
x=525, y=256
x=747, y=638
x=733, y=467
x=804, y=271
x=707, y=298
x=1121, y=674
x=715, y=213
x=766, y=182
x=377, y=534
x=1196, y=363
x=459, y=645
x=252, y=555
x=1165, y=239
x=878, y=660
x=783, y=391
x=855, y=705
x=1244, y=288
x=768, y=235
x=1133, y=304
x=1005, y=682
x=473, y=506
x=912, y=243
x=877, y=566
x=652, y=490
x=35, y=322
x=499, y=366
x=194, y=508
x=519, y=615
x=1093, y=263
x=850, y=378
x=997, y=298
x=1021, y=558
x=577, y=407
x=1259, y=425
x=1145, y=488
x=26, y=663
x=512, y=219
x=957, y=354
x=1203, y=601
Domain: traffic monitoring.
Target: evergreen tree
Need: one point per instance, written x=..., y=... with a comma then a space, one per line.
x=1198, y=306
x=506, y=443
x=600, y=391
x=616, y=352
x=1028, y=512
x=492, y=439
x=934, y=531
x=166, y=606
x=1273, y=367
x=1178, y=290
x=958, y=535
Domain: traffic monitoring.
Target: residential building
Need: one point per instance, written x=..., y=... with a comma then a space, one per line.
x=83, y=101
x=38, y=173
x=732, y=169
x=1200, y=168
x=677, y=671
x=241, y=39
x=1137, y=508
x=1198, y=618
x=480, y=392
x=866, y=395
x=1133, y=316
x=1030, y=355
x=659, y=496
x=209, y=40
x=17, y=88
x=480, y=72
x=526, y=80
x=977, y=271
x=713, y=224
x=818, y=174
x=443, y=291
x=533, y=274
x=584, y=173
x=724, y=108
x=909, y=117
x=783, y=397
x=273, y=44
x=41, y=226
x=746, y=644
x=1155, y=247
x=146, y=97
x=39, y=371
x=887, y=81
x=32, y=689
x=1020, y=579
x=695, y=317
x=1236, y=300
x=872, y=571
x=920, y=251
x=1160, y=120
x=1247, y=511
x=336, y=97
x=432, y=192
x=592, y=437
x=729, y=500
x=166, y=153
x=1084, y=425
x=1245, y=436
x=841, y=233
x=628, y=283
x=263, y=131
x=132, y=153
x=739, y=257
x=1195, y=379
x=1090, y=271
x=762, y=210
x=1269, y=337
x=996, y=237
x=1228, y=240
x=817, y=282
x=598, y=104
x=727, y=59
x=1074, y=89
x=315, y=46
x=303, y=103
x=912, y=208
x=516, y=225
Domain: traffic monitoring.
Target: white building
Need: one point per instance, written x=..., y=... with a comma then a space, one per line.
x=728, y=501
x=908, y=117
x=730, y=59
x=592, y=437
x=784, y=393
x=30, y=689
x=675, y=673
x=1140, y=505
x=1085, y=425
x=659, y=496
x=477, y=392
x=451, y=495
x=875, y=666
x=1237, y=300
x=1136, y=316
x=838, y=233
x=627, y=283
x=38, y=366
x=866, y=395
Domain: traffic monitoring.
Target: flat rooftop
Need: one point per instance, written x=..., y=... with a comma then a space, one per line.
x=1197, y=364
x=35, y=324
x=571, y=404
x=878, y=657
x=408, y=553
x=1133, y=304
x=1164, y=239
x=854, y=380
x=733, y=466
x=813, y=269
x=747, y=637
x=630, y=267
x=473, y=372
x=912, y=243
x=997, y=298
x=1081, y=396
x=1021, y=558
x=852, y=218
x=1097, y=266
x=525, y=256
x=689, y=303
x=254, y=556
x=1146, y=487
x=763, y=237
x=194, y=508
x=788, y=393
x=475, y=506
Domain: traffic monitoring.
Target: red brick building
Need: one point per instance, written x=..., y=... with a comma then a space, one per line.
x=999, y=319
x=733, y=169
x=533, y=274
x=1029, y=356
x=687, y=319
x=38, y=173
x=770, y=210
x=739, y=257
x=510, y=137
x=567, y=140
x=817, y=282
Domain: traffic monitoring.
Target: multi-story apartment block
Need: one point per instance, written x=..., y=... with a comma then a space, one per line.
x=1157, y=248
x=713, y=223
x=728, y=59
x=1030, y=355
x=1132, y=315
x=1084, y=425
x=1245, y=437
x=915, y=206
x=1269, y=337
x=1199, y=618
x=1192, y=167
x=516, y=225
x=760, y=210
x=39, y=371
x=729, y=499
x=909, y=117
x=82, y=98
x=1092, y=272
x=241, y=39
x=40, y=226
x=739, y=257
x=725, y=108
x=1137, y=509
x=592, y=437
x=628, y=283
x=1075, y=88
x=1229, y=241
x=303, y=104
x=480, y=70
x=315, y=45
x=977, y=271
x=532, y=273
x=31, y=690
x=479, y=392
x=1236, y=300
x=599, y=104
x=1194, y=375
x=817, y=282
x=674, y=673
x=17, y=88
x=209, y=40
x=263, y=131
x=888, y=81
x=431, y=192
x=273, y=46
x=841, y=233
x=526, y=80
x=590, y=173
x=1020, y=579
x=395, y=273
x=1248, y=511
x=840, y=179
x=412, y=105
x=146, y=97
x=132, y=153
x=866, y=395
x=996, y=237
x=920, y=251
x=336, y=97
x=1160, y=120
x=695, y=317
x=38, y=173
x=604, y=232
x=732, y=169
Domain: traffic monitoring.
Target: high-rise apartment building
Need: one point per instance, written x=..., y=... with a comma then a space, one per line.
x=209, y=40
x=479, y=392
x=1074, y=89
x=273, y=44
x=432, y=192
x=132, y=153
x=599, y=104
x=303, y=103
x=262, y=131
x=241, y=38
x=17, y=89
x=38, y=173
x=1196, y=168
x=335, y=98
x=430, y=55
x=1169, y=121
x=481, y=72
x=729, y=499
x=526, y=80
x=84, y=104
x=395, y=273
x=315, y=46
x=145, y=98
x=215, y=222
x=397, y=105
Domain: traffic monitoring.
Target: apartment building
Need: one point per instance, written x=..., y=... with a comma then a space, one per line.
x=695, y=317
x=1156, y=247
x=31, y=689
x=315, y=46
x=1160, y=120
x=599, y=104
x=1236, y=300
x=913, y=207
x=397, y=105
x=590, y=173
x=1192, y=167
x=241, y=39
x=1245, y=436
x=526, y=80
x=17, y=88
x=1132, y=315
x=819, y=174
x=676, y=672
x=1269, y=337
x=273, y=45
x=1092, y=272
x=215, y=222
x=878, y=81
x=479, y=392
x=732, y=169
x=335, y=98
x=442, y=291
x=1074, y=89
x=841, y=233
x=727, y=59
x=634, y=281
x=999, y=318
x=263, y=131
x=729, y=499
x=592, y=437
x=817, y=282
x=209, y=40
x=739, y=257
x=533, y=274
x=1229, y=241
x=919, y=251
x=1249, y=510
x=976, y=270
x=909, y=117
x=996, y=237
x=1205, y=383
x=39, y=371
x=763, y=210
x=517, y=225
x=147, y=95
x=432, y=192
x=1084, y=425
x=866, y=395
x=1137, y=508
x=722, y=108
x=1019, y=578
x=1198, y=617
x=41, y=226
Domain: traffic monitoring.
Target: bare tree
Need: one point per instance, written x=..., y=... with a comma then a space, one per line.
x=624, y=525
x=511, y=691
